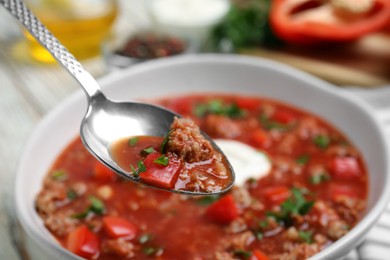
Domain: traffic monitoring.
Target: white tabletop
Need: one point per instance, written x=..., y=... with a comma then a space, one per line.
x=27, y=92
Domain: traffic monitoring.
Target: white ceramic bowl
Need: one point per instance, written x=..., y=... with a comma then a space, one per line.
x=208, y=73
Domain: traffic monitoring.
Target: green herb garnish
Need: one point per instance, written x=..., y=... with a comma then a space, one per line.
x=321, y=141
x=200, y=110
x=133, y=141
x=303, y=159
x=162, y=160
x=217, y=107
x=259, y=235
x=269, y=124
x=242, y=253
x=165, y=142
x=319, y=178
x=263, y=223
x=145, y=238
x=81, y=215
x=252, y=180
x=295, y=205
x=207, y=200
x=148, y=150
x=71, y=194
x=141, y=168
x=306, y=236
x=60, y=175
x=96, y=206
x=150, y=250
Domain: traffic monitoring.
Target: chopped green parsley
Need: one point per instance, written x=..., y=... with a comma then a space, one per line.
x=162, y=160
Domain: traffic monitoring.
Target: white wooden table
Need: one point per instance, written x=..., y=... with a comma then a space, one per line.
x=27, y=92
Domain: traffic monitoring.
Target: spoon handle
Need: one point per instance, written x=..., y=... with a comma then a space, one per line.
x=21, y=12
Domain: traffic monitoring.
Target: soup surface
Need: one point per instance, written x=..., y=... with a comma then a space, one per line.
x=314, y=193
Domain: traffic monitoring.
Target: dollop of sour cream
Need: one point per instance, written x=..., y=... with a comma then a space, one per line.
x=246, y=161
x=189, y=12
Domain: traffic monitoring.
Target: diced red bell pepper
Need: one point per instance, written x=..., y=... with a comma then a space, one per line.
x=258, y=255
x=182, y=105
x=83, y=242
x=260, y=139
x=276, y=194
x=339, y=190
x=119, y=227
x=159, y=175
x=103, y=173
x=284, y=117
x=223, y=211
x=248, y=103
x=344, y=168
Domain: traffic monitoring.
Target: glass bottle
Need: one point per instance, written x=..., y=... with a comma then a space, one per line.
x=81, y=25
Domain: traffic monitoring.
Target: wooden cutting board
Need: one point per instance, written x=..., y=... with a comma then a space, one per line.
x=365, y=63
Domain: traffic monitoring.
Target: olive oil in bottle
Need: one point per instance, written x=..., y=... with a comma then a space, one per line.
x=80, y=25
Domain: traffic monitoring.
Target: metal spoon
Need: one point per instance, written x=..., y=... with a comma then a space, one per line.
x=105, y=120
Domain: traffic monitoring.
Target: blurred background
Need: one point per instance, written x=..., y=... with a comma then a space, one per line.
x=343, y=41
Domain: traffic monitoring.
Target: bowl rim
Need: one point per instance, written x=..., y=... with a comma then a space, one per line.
x=362, y=226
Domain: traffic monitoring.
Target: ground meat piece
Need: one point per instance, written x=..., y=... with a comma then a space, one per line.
x=288, y=144
x=200, y=182
x=80, y=188
x=320, y=239
x=282, y=167
x=350, y=209
x=342, y=150
x=239, y=241
x=316, y=170
x=186, y=141
x=105, y=192
x=51, y=198
x=242, y=197
x=309, y=128
x=236, y=226
x=121, y=247
x=325, y=213
x=223, y=256
x=292, y=234
x=337, y=229
x=95, y=224
x=298, y=252
x=61, y=223
x=221, y=127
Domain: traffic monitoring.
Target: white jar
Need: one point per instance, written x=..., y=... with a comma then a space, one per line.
x=189, y=19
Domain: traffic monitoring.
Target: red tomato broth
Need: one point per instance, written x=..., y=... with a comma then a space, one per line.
x=181, y=225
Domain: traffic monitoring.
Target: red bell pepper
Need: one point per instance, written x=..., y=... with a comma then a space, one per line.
x=83, y=242
x=260, y=139
x=258, y=255
x=276, y=194
x=118, y=227
x=284, y=117
x=223, y=211
x=339, y=190
x=103, y=173
x=159, y=175
x=248, y=103
x=344, y=168
x=314, y=21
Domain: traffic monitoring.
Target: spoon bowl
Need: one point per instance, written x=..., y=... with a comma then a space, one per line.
x=105, y=121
